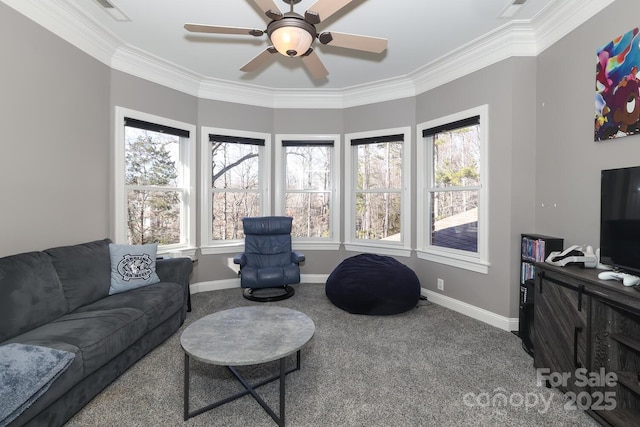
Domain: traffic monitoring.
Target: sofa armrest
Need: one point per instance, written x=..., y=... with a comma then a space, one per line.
x=177, y=270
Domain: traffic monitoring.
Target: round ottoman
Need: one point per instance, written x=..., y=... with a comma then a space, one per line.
x=373, y=284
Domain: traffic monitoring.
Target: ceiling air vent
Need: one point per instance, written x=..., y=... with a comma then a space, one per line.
x=509, y=10
x=116, y=13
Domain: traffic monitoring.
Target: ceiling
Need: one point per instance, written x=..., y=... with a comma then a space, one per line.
x=422, y=34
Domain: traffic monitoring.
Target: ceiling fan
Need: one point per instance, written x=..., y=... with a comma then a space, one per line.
x=292, y=34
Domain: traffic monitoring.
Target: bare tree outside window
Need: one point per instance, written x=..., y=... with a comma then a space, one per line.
x=151, y=182
x=235, y=186
x=378, y=191
x=308, y=189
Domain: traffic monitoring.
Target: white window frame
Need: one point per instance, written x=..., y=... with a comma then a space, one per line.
x=403, y=247
x=478, y=262
x=187, y=181
x=314, y=243
x=207, y=244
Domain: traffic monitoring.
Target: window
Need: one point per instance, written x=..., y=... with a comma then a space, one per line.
x=307, y=188
x=378, y=209
x=154, y=181
x=235, y=185
x=452, y=207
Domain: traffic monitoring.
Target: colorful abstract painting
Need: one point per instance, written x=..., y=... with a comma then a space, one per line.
x=617, y=87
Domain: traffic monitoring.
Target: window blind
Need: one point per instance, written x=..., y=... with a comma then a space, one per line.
x=459, y=124
x=154, y=127
x=314, y=143
x=378, y=139
x=236, y=139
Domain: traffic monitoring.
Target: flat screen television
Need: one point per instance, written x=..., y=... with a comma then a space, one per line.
x=620, y=219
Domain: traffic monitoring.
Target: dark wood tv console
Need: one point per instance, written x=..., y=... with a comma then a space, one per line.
x=589, y=331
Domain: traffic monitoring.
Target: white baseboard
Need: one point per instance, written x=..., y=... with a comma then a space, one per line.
x=474, y=312
x=314, y=278
x=216, y=285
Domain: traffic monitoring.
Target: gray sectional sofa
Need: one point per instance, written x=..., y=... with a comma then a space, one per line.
x=59, y=299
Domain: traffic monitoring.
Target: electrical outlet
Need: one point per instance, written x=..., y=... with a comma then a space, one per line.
x=440, y=284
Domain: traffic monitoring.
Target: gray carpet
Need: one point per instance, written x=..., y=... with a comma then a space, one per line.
x=428, y=367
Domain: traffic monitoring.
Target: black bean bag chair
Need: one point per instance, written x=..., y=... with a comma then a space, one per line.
x=373, y=284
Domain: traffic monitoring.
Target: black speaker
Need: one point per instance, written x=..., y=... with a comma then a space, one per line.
x=525, y=330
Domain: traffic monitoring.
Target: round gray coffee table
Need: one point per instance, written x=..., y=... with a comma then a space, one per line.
x=246, y=336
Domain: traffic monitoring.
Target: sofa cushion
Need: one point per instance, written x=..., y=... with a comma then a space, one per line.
x=83, y=270
x=99, y=335
x=157, y=302
x=31, y=293
x=132, y=266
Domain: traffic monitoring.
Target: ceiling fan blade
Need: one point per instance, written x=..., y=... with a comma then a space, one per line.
x=216, y=29
x=268, y=5
x=274, y=15
x=322, y=9
x=313, y=64
x=259, y=59
x=354, y=41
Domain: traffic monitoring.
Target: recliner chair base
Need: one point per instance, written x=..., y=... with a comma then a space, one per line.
x=268, y=294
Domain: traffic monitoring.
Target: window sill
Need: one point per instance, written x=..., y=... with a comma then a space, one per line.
x=235, y=247
x=238, y=247
x=378, y=249
x=455, y=260
x=178, y=253
x=309, y=245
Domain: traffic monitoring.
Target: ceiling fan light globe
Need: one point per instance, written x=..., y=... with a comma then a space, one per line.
x=291, y=41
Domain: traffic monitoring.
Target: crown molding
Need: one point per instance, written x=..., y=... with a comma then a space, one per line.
x=562, y=17
x=65, y=19
x=222, y=90
x=142, y=64
x=515, y=38
x=308, y=98
x=382, y=90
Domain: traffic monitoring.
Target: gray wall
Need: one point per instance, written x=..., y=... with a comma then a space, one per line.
x=57, y=136
x=380, y=116
x=226, y=115
x=509, y=90
x=279, y=121
x=568, y=160
x=303, y=121
x=54, y=173
x=141, y=95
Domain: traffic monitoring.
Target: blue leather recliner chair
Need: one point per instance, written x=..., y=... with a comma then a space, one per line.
x=268, y=265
